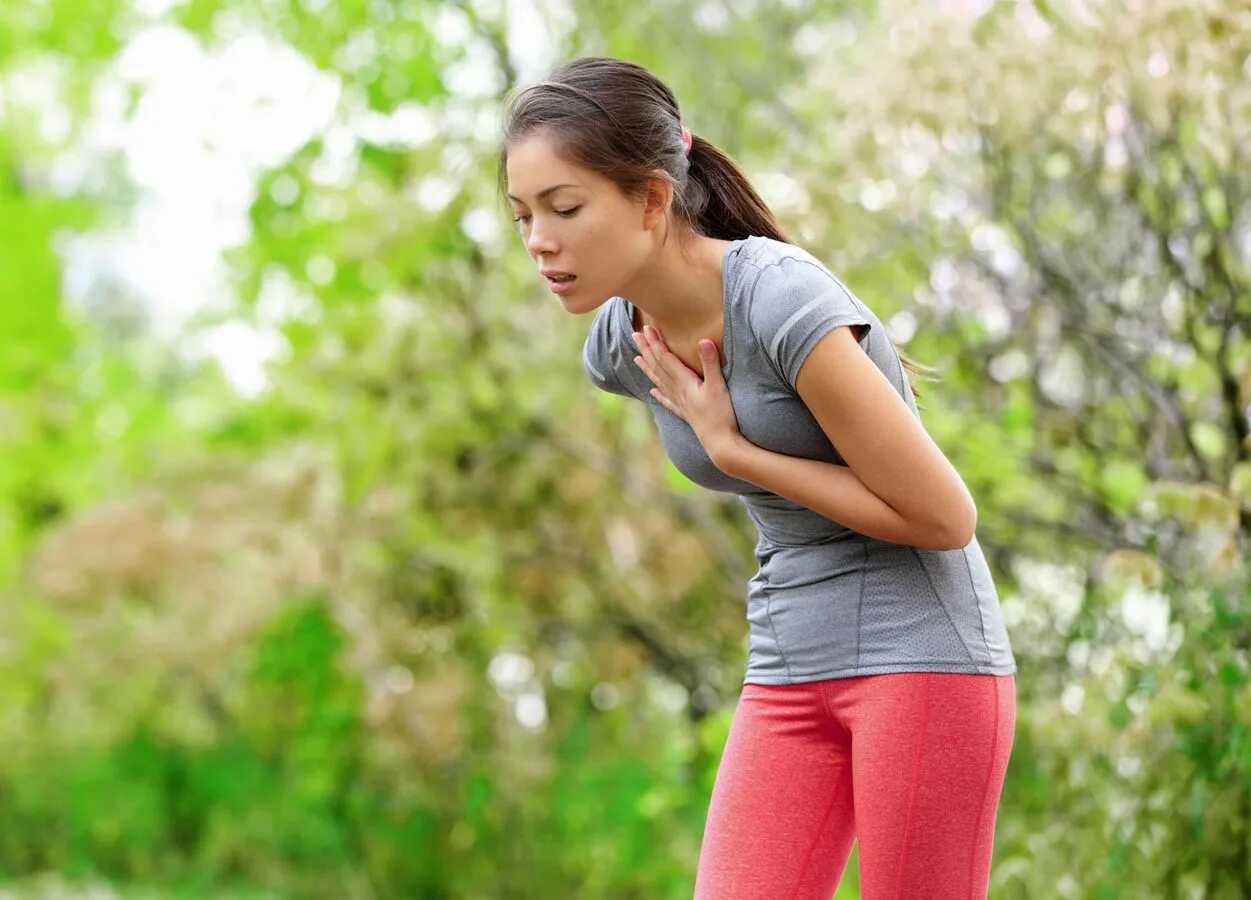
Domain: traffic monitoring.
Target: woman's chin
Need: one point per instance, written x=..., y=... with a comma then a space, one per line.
x=581, y=301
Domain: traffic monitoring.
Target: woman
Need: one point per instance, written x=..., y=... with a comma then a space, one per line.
x=879, y=699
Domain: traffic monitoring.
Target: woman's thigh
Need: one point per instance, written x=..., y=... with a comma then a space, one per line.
x=780, y=823
x=930, y=751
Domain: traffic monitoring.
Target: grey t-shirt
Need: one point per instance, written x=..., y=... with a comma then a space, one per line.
x=826, y=601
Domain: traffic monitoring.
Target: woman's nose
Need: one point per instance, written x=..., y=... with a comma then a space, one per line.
x=539, y=241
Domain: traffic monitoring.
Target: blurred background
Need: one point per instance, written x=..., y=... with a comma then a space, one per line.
x=326, y=572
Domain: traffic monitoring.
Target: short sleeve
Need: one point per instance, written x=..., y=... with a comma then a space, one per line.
x=794, y=304
x=602, y=354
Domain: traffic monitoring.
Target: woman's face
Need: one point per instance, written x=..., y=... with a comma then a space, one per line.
x=587, y=227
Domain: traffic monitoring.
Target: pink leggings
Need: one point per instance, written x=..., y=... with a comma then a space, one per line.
x=909, y=764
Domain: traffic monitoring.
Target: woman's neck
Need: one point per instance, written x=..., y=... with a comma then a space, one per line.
x=682, y=294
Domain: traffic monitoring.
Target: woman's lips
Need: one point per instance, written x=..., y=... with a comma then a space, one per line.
x=560, y=287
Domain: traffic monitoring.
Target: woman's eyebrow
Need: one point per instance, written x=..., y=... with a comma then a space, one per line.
x=543, y=193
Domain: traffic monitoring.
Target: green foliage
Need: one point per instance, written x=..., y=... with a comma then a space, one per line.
x=432, y=617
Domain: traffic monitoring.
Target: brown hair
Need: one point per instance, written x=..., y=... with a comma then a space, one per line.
x=619, y=120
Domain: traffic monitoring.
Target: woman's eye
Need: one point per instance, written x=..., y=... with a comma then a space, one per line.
x=564, y=213
x=520, y=222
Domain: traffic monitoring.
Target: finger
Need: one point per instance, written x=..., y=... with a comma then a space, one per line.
x=711, y=362
x=654, y=360
x=664, y=401
x=653, y=374
x=668, y=366
x=658, y=342
x=655, y=346
x=647, y=349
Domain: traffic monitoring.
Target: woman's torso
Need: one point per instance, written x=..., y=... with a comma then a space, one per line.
x=826, y=601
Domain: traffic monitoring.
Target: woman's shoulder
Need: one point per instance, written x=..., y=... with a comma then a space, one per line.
x=786, y=278
x=763, y=252
x=792, y=300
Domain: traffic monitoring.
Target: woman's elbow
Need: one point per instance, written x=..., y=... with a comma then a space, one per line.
x=952, y=532
x=959, y=530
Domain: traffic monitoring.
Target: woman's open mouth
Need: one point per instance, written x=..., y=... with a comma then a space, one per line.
x=561, y=284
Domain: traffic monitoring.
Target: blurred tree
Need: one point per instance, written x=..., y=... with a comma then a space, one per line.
x=423, y=620
x=1077, y=177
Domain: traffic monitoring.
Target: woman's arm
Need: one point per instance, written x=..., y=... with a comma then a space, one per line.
x=899, y=487
x=832, y=490
x=900, y=481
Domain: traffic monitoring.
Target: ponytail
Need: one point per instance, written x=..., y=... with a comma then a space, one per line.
x=720, y=201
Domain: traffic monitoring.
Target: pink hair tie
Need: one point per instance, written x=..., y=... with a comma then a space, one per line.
x=686, y=139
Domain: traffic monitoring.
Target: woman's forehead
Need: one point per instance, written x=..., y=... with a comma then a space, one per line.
x=535, y=169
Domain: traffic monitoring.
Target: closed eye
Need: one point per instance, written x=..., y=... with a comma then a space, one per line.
x=563, y=213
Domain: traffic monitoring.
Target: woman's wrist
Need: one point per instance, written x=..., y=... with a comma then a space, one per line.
x=727, y=453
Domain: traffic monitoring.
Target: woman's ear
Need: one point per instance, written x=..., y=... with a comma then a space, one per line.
x=656, y=202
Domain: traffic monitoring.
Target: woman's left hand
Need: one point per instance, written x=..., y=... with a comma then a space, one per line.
x=702, y=402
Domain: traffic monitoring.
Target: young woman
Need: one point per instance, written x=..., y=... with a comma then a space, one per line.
x=879, y=702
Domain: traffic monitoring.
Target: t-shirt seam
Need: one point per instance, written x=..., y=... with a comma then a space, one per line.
x=747, y=314
x=977, y=600
x=946, y=612
x=864, y=568
x=860, y=308
x=591, y=368
x=776, y=640
x=963, y=664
